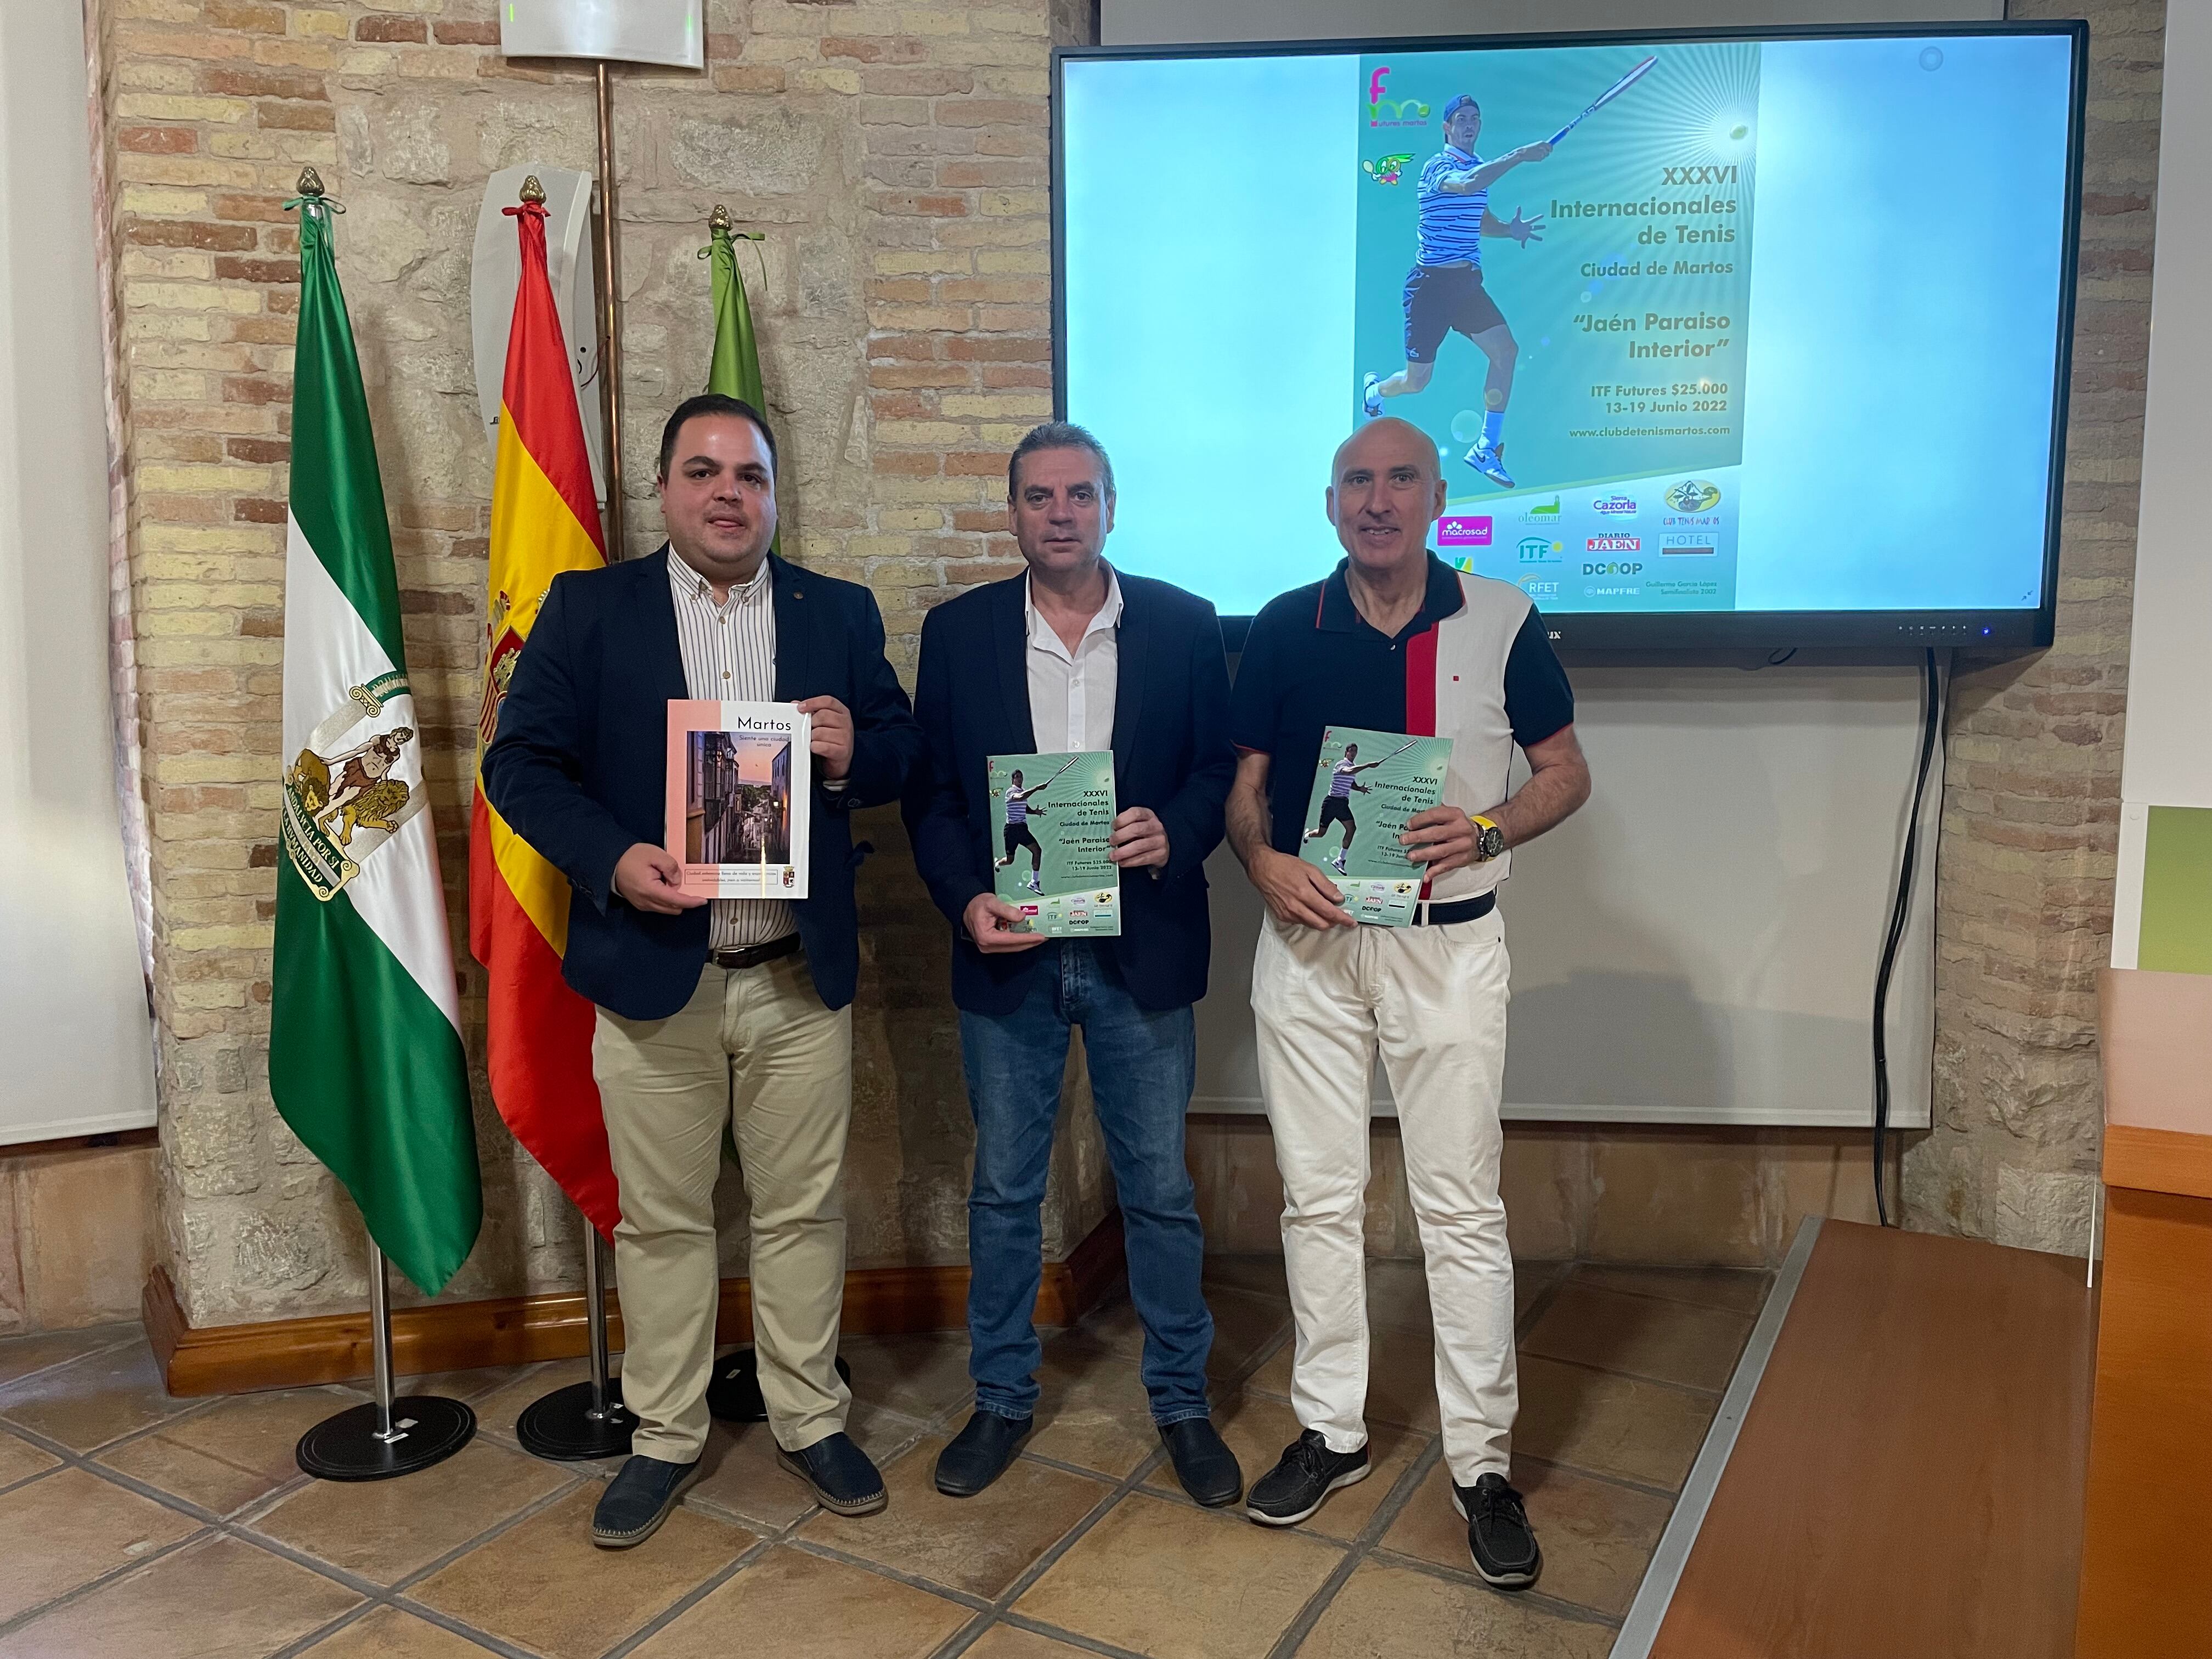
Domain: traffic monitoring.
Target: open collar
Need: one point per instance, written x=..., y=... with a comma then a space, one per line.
x=1338, y=615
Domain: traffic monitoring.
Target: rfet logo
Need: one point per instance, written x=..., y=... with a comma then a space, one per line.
x=1392, y=113
x=1460, y=530
x=1613, y=544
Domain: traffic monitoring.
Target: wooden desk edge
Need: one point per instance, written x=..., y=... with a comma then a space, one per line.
x=2157, y=1160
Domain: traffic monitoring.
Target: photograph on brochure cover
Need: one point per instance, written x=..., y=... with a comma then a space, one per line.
x=740, y=788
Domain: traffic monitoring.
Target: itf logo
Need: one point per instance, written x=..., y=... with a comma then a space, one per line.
x=1460, y=530
x=1392, y=113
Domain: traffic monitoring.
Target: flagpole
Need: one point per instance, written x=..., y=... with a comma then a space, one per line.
x=584, y=1420
x=388, y=1435
x=610, y=396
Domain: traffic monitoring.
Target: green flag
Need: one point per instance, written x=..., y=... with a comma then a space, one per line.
x=735, y=369
x=366, y=1062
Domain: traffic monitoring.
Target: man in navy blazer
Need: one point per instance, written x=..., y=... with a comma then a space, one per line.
x=730, y=1013
x=1073, y=656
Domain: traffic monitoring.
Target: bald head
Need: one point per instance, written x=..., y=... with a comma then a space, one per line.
x=1384, y=492
x=1383, y=443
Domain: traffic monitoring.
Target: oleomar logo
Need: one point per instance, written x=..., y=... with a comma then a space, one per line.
x=1383, y=111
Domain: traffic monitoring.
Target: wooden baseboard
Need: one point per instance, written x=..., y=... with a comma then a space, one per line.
x=516, y=1330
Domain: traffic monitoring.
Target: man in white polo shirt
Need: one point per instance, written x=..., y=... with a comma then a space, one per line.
x=1396, y=640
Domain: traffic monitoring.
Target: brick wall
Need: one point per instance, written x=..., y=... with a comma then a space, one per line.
x=896, y=159
x=2032, y=794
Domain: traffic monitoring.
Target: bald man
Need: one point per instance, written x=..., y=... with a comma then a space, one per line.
x=1396, y=640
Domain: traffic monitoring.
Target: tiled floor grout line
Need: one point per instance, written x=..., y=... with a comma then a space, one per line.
x=30, y=1615
x=537, y=1506
x=1386, y=1515
x=1711, y=1395
x=690, y=1599
x=1627, y=1483
x=1471, y=1580
x=131, y=1333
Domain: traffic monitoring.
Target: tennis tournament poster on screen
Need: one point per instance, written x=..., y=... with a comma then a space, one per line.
x=1055, y=815
x=1367, y=784
x=1586, y=309
x=739, y=788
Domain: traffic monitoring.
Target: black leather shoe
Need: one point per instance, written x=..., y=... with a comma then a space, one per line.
x=1304, y=1476
x=1498, y=1535
x=1205, y=1465
x=979, y=1454
x=638, y=1499
x=843, y=1479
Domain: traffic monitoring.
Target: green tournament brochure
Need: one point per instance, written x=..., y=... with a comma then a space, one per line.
x=1052, y=815
x=1367, y=784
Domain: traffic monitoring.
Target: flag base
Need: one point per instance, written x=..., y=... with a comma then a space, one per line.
x=734, y=1392
x=425, y=1429
x=567, y=1427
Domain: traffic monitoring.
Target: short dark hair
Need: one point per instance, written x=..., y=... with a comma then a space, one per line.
x=714, y=403
x=1057, y=435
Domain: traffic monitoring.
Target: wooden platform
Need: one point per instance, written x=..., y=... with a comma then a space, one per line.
x=1906, y=1474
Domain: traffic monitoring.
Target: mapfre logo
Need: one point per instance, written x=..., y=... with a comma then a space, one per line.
x=1383, y=111
x=1613, y=544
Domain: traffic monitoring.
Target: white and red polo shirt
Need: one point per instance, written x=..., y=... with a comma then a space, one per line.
x=1474, y=665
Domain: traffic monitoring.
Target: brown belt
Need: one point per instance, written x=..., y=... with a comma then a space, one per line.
x=751, y=956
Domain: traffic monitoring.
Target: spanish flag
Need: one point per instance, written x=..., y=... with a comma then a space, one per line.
x=544, y=521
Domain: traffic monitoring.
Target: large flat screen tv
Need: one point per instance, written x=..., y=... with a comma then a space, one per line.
x=1726, y=340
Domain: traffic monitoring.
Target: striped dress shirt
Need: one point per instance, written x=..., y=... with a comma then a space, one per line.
x=729, y=656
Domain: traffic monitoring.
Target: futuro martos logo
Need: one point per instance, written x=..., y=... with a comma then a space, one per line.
x=1392, y=113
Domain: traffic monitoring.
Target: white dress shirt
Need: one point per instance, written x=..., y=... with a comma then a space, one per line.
x=1072, y=692
x=729, y=656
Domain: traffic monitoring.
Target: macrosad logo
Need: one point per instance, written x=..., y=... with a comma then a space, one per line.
x=332, y=794
x=1392, y=113
x=1694, y=496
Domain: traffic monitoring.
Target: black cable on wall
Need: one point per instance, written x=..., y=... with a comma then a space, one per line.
x=1930, y=734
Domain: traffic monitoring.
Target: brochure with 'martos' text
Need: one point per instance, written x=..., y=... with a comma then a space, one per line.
x=739, y=789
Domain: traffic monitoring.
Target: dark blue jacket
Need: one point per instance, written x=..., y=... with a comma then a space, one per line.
x=578, y=767
x=1171, y=753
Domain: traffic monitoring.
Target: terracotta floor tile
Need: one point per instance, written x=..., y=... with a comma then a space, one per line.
x=980, y=1544
x=744, y=1480
x=916, y=1376
x=1737, y=1290
x=1397, y=1612
x=1177, y=1582
x=20, y=1459
x=545, y=1586
x=1530, y=1280
x=1262, y=1274
x=20, y=1356
x=385, y=1529
x=388, y=1633
x=817, y=1609
x=68, y=1529
x=1640, y=1336
x=1401, y=1377
x=1596, y=1537
x=1242, y=1326
x=1609, y=1425
x=1257, y=1427
x=1397, y=1295
x=1011, y=1642
x=223, y=1599
x=497, y=1407
x=1094, y=1412
x=235, y=1451
x=94, y=1400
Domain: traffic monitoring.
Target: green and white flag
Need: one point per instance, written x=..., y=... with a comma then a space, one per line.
x=366, y=1062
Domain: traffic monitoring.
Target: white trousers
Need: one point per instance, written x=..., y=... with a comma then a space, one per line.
x=1433, y=1000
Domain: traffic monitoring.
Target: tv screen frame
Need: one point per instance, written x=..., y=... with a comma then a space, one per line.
x=1728, y=631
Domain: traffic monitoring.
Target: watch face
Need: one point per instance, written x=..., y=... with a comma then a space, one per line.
x=1489, y=841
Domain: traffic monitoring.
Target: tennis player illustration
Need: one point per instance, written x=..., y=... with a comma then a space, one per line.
x=1444, y=292
x=1336, y=806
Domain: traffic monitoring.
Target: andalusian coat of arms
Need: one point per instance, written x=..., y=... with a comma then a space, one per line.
x=343, y=803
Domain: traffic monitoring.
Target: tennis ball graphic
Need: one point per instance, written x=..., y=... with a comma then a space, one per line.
x=1739, y=131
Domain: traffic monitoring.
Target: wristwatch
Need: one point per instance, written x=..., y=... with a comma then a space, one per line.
x=1489, y=839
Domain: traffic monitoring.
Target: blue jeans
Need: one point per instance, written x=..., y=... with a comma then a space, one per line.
x=1143, y=1067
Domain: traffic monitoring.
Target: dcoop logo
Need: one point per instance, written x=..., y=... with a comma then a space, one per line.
x=1624, y=567
x=1392, y=113
x=1694, y=496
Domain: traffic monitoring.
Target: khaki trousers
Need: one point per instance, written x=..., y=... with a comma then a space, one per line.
x=755, y=1049
x=1433, y=1000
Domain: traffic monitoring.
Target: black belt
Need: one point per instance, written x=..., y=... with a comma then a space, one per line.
x=751, y=956
x=1442, y=915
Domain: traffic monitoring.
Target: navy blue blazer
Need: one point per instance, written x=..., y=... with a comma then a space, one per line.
x=578, y=767
x=1171, y=753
